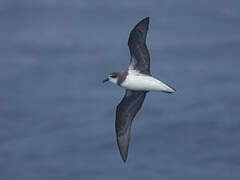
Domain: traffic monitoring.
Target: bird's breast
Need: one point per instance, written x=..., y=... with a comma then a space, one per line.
x=140, y=82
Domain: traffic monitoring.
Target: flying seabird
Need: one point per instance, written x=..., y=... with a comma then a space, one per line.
x=137, y=80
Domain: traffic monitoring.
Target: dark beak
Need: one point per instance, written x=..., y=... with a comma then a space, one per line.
x=105, y=80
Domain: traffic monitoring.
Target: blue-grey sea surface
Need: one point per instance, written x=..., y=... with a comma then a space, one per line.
x=57, y=118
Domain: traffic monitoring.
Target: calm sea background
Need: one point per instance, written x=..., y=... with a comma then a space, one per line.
x=57, y=118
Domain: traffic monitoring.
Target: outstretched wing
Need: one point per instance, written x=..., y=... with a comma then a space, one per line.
x=140, y=59
x=126, y=111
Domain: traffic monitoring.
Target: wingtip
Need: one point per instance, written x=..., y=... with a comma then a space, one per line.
x=123, y=144
x=146, y=19
x=124, y=158
x=143, y=21
x=123, y=149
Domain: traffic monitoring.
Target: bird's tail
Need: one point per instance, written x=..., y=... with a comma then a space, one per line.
x=167, y=88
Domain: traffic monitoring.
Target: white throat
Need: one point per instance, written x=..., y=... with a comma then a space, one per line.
x=113, y=80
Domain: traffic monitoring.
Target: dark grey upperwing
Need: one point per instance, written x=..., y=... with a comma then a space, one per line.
x=126, y=111
x=140, y=59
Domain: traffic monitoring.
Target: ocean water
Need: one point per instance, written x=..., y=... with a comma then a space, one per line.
x=57, y=118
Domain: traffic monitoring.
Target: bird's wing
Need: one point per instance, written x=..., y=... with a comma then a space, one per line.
x=140, y=59
x=126, y=111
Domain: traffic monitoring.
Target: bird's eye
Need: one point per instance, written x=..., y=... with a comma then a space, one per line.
x=113, y=76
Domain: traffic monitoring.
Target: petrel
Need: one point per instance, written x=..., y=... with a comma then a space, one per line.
x=137, y=80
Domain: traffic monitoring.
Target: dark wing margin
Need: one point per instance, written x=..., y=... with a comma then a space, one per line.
x=140, y=58
x=126, y=111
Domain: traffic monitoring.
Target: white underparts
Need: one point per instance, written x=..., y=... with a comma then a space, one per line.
x=141, y=82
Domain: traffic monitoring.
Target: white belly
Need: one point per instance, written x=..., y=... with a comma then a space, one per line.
x=140, y=82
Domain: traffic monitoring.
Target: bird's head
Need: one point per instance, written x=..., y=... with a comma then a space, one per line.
x=112, y=77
